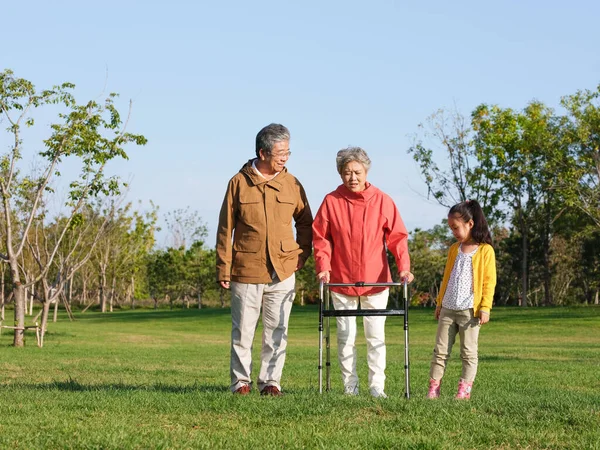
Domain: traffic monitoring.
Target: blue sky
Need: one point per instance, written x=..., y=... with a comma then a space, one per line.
x=204, y=77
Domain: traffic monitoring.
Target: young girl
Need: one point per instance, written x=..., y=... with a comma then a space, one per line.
x=465, y=297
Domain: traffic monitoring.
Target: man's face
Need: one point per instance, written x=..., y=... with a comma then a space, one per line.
x=275, y=161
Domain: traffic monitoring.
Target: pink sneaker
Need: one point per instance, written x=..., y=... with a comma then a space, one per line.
x=464, y=390
x=434, y=388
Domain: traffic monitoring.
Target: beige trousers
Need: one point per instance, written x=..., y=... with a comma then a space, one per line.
x=276, y=299
x=467, y=327
x=374, y=327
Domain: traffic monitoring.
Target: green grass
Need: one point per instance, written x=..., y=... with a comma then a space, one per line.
x=159, y=379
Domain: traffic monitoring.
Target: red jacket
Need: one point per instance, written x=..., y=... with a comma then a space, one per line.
x=350, y=234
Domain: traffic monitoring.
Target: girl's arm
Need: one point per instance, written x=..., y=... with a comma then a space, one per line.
x=489, y=281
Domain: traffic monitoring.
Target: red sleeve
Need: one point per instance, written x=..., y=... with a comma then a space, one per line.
x=396, y=236
x=322, y=239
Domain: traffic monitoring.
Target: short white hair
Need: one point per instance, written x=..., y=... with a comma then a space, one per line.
x=347, y=155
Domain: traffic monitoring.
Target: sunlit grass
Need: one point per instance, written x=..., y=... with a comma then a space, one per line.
x=159, y=379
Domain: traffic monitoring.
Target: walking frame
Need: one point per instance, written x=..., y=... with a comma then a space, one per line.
x=326, y=311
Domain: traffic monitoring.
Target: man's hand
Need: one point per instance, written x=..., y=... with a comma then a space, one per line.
x=300, y=264
x=224, y=284
x=438, y=309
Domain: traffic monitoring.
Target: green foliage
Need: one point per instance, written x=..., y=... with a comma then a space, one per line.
x=428, y=253
x=180, y=273
x=307, y=286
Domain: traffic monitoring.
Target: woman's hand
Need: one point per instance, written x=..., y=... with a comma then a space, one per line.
x=406, y=276
x=323, y=276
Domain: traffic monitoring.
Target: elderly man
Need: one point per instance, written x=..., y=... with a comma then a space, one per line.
x=259, y=265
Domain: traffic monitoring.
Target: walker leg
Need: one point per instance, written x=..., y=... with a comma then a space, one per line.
x=321, y=339
x=328, y=346
x=406, y=363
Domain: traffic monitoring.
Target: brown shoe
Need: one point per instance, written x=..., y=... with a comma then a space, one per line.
x=244, y=389
x=272, y=391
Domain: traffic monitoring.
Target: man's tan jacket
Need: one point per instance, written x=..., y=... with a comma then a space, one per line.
x=259, y=213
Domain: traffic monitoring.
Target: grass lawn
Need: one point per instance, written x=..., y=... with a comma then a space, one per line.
x=160, y=379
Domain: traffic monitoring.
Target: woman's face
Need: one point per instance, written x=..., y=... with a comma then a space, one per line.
x=354, y=176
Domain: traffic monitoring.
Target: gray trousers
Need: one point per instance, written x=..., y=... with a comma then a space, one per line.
x=467, y=327
x=276, y=299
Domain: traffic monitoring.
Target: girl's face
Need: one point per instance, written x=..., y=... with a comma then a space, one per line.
x=460, y=229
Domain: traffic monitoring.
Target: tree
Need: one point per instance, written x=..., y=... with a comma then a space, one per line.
x=428, y=253
x=92, y=133
x=306, y=281
x=448, y=139
x=186, y=227
x=583, y=110
x=523, y=152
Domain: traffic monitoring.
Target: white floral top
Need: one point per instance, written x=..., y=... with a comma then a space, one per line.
x=459, y=293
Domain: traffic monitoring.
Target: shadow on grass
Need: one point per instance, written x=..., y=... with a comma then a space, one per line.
x=152, y=314
x=74, y=386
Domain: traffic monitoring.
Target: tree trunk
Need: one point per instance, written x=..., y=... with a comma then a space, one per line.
x=155, y=302
x=199, y=298
x=222, y=297
x=596, y=301
x=102, y=290
x=31, y=298
x=19, y=295
x=84, y=291
x=43, y=326
x=112, y=292
x=55, y=317
x=546, y=249
x=2, y=298
x=132, y=292
x=70, y=292
x=524, y=262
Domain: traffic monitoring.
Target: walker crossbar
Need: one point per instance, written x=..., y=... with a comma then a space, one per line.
x=325, y=311
x=363, y=312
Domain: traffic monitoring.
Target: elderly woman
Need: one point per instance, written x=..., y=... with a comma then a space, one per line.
x=354, y=227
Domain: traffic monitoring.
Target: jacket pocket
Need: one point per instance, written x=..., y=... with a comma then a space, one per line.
x=289, y=245
x=247, y=245
x=246, y=257
x=251, y=208
x=286, y=205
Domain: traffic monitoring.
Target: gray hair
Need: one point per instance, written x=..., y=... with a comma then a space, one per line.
x=269, y=136
x=350, y=154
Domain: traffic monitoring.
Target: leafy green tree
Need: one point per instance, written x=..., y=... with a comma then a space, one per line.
x=92, y=133
x=307, y=286
x=428, y=253
x=583, y=110
x=523, y=152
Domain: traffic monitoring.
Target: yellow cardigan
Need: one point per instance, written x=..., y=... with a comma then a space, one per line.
x=484, y=277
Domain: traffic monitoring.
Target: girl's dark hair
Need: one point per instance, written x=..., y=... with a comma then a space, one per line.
x=470, y=209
